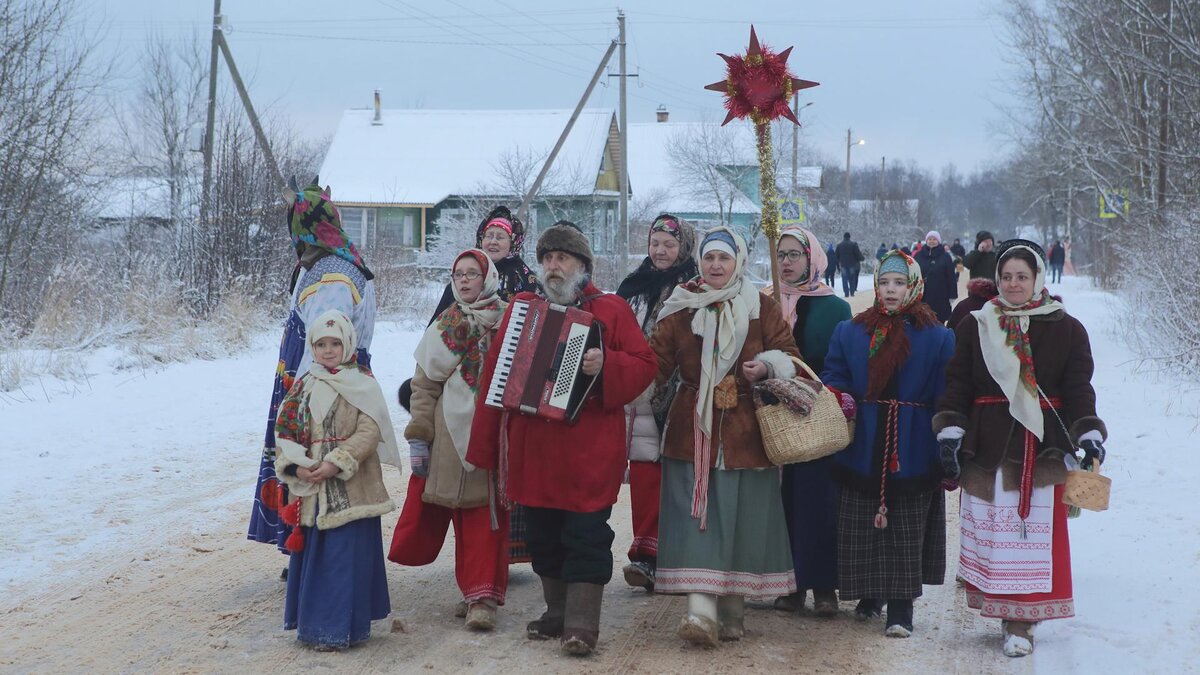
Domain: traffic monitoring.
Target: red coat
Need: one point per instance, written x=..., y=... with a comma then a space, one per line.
x=571, y=467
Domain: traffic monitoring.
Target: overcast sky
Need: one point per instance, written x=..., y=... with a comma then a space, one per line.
x=919, y=80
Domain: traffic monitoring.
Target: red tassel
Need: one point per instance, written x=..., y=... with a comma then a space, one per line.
x=881, y=518
x=295, y=541
x=291, y=513
x=271, y=494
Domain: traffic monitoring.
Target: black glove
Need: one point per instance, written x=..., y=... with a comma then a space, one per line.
x=950, y=450
x=1092, y=451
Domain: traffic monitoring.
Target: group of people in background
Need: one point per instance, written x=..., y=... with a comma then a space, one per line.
x=995, y=400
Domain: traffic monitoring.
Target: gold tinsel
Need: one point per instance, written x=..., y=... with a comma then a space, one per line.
x=766, y=183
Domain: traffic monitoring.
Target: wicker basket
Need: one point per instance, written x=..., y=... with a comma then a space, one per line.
x=789, y=437
x=1087, y=489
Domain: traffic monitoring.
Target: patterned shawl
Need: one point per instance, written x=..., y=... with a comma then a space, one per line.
x=315, y=222
x=890, y=347
x=1004, y=341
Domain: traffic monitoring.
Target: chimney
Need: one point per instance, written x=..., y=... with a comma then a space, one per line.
x=662, y=113
x=378, y=120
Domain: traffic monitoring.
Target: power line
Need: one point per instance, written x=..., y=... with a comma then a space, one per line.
x=417, y=42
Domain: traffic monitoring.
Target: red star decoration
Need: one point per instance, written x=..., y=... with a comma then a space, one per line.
x=759, y=84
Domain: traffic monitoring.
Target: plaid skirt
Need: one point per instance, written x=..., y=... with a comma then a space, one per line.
x=892, y=563
x=518, y=523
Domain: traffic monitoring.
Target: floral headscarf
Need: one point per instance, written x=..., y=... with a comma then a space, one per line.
x=314, y=221
x=889, y=346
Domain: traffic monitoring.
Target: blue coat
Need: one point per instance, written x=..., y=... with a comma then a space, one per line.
x=921, y=379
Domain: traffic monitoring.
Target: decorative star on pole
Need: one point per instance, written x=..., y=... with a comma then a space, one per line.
x=759, y=84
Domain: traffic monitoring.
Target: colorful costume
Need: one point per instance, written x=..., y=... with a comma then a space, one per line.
x=330, y=274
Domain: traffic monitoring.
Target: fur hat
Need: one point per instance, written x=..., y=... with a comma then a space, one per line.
x=565, y=236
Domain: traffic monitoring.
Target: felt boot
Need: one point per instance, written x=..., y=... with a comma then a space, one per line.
x=731, y=616
x=700, y=627
x=1018, y=638
x=581, y=626
x=481, y=615
x=899, y=618
x=791, y=603
x=550, y=624
x=868, y=609
x=825, y=603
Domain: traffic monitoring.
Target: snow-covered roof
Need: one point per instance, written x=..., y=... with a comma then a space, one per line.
x=424, y=156
x=651, y=170
x=864, y=205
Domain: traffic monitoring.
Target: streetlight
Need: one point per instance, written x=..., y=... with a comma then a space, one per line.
x=850, y=144
x=796, y=136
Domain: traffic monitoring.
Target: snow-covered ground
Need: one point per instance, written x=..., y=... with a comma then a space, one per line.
x=121, y=463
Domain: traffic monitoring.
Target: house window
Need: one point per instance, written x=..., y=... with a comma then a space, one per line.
x=409, y=232
x=359, y=224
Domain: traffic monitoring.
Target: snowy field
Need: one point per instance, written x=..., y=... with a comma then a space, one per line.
x=125, y=464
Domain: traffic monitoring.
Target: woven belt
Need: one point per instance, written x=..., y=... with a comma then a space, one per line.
x=891, y=451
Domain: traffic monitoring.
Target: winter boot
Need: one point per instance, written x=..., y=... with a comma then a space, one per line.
x=550, y=624
x=640, y=574
x=791, y=603
x=581, y=626
x=825, y=603
x=482, y=615
x=460, y=610
x=700, y=627
x=731, y=615
x=1018, y=638
x=868, y=609
x=899, y=618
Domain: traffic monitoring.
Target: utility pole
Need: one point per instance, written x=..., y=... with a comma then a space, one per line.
x=523, y=209
x=623, y=230
x=847, y=168
x=212, y=113
x=219, y=43
x=882, y=173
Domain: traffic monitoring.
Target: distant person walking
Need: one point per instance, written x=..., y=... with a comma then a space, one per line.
x=1058, y=258
x=831, y=270
x=849, y=257
x=937, y=269
x=957, y=249
x=881, y=251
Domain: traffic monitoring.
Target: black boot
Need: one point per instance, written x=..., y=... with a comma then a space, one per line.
x=899, y=618
x=867, y=609
x=581, y=626
x=550, y=624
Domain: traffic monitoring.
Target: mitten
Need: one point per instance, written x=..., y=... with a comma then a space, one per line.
x=418, y=457
x=846, y=401
x=1093, y=449
x=950, y=451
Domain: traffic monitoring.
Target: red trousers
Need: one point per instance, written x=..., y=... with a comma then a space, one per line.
x=1059, y=603
x=645, y=479
x=480, y=554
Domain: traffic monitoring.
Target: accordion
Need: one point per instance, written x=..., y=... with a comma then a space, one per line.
x=537, y=367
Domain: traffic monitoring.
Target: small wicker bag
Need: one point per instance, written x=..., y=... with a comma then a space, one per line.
x=1087, y=489
x=789, y=437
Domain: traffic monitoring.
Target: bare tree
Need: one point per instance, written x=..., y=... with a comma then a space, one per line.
x=46, y=107
x=711, y=163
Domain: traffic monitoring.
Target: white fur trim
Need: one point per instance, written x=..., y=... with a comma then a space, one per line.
x=1093, y=435
x=343, y=461
x=951, y=432
x=328, y=521
x=779, y=364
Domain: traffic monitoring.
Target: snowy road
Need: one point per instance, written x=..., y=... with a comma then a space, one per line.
x=128, y=493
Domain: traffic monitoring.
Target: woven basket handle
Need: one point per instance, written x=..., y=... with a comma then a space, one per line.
x=800, y=364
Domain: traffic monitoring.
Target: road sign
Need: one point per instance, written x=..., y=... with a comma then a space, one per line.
x=1114, y=203
x=791, y=211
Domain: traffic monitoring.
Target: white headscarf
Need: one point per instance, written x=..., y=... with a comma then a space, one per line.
x=351, y=382
x=722, y=320
x=1000, y=356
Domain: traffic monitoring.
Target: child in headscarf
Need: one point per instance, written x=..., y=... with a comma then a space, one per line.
x=333, y=431
x=891, y=519
x=445, y=488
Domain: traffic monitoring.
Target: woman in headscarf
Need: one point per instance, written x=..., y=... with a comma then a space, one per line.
x=500, y=235
x=810, y=495
x=722, y=532
x=891, y=516
x=1018, y=401
x=444, y=487
x=669, y=262
x=329, y=274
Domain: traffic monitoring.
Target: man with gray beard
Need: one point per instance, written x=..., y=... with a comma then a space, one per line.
x=568, y=475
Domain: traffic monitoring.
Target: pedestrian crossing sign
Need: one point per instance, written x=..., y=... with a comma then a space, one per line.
x=1114, y=203
x=791, y=211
